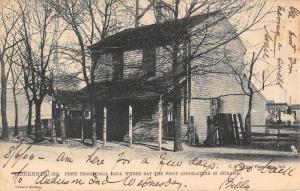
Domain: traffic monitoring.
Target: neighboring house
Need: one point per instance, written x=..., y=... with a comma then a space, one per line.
x=295, y=108
x=22, y=110
x=10, y=108
x=133, y=72
x=274, y=110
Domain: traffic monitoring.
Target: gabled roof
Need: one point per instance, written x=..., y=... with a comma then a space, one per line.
x=154, y=34
x=278, y=104
x=295, y=107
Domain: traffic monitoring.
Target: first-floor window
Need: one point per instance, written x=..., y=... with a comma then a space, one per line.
x=215, y=106
x=170, y=112
x=185, y=104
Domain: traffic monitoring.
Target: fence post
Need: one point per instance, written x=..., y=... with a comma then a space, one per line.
x=104, y=124
x=241, y=126
x=231, y=128
x=130, y=126
x=191, y=131
x=278, y=134
x=236, y=129
x=160, y=119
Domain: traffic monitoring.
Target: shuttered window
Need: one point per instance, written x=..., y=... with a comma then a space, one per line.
x=149, y=62
x=118, y=65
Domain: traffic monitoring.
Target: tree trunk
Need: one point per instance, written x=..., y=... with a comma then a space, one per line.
x=93, y=122
x=248, y=120
x=3, y=103
x=16, y=132
x=29, y=125
x=63, y=125
x=177, y=120
x=53, y=123
x=38, y=128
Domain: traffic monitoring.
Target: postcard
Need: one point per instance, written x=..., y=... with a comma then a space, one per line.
x=150, y=95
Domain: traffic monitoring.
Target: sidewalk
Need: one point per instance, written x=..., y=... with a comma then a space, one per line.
x=229, y=152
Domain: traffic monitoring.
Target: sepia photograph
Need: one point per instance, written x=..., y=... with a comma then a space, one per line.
x=150, y=95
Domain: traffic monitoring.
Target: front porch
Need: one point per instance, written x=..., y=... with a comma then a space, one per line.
x=134, y=111
x=131, y=121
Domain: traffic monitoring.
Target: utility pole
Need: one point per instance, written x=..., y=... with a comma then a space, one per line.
x=285, y=96
x=137, y=13
x=158, y=11
x=55, y=61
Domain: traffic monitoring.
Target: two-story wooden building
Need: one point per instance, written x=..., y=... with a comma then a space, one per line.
x=134, y=80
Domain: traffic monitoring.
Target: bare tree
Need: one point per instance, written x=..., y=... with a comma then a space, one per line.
x=90, y=21
x=247, y=79
x=16, y=73
x=135, y=11
x=203, y=43
x=8, y=20
x=37, y=30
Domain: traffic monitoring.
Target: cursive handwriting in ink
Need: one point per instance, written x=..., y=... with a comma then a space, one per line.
x=234, y=180
x=268, y=168
x=122, y=160
x=293, y=12
x=293, y=62
x=165, y=161
x=18, y=153
x=94, y=159
x=18, y=175
x=62, y=157
x=44, y=178
x=198, y=162
x=291, y=42
x=278, y=26
x=149, y=182
x=279, y=78
x=266, y=45
x=131, y=181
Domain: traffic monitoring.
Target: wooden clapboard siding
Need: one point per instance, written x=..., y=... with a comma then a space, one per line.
x=214, y=85
x=104, y=69
x=132, y=64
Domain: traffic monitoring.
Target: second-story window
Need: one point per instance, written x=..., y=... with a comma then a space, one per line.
x=149, y=62
x=117, y=58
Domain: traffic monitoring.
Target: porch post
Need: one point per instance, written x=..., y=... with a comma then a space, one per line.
x=130, y=126
x=82, y=123
x=160, y=118
x=63, y=126
x=104, y=124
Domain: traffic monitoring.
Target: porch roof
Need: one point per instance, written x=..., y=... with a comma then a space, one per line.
x=126, y=89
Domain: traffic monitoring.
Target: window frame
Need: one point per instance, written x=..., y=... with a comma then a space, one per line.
x=149, y=62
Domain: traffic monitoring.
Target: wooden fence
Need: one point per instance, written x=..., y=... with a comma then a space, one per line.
x=224, y=129
x=228, y=129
